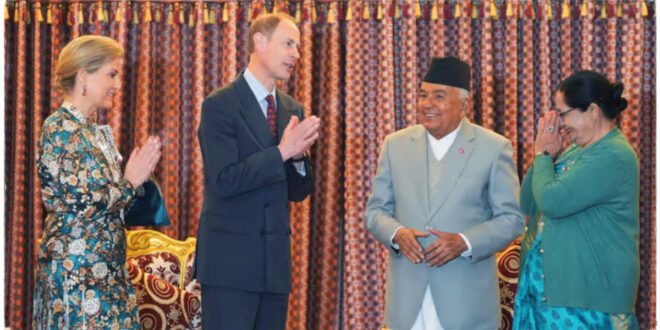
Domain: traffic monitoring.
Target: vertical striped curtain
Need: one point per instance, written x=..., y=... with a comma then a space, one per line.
x=361, y=64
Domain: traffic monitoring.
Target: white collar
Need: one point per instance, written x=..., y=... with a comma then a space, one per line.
x=259, y=91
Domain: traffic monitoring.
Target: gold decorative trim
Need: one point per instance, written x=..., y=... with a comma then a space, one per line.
x=146, y=241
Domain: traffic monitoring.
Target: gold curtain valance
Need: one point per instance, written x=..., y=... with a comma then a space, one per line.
x=183, y=12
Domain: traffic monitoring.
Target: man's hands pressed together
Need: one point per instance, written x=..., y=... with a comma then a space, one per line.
x=446, y=247
x=298, y=137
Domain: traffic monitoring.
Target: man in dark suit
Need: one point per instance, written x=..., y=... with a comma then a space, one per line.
x=254, y=143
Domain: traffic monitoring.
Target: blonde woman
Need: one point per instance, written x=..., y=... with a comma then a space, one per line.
x=81, y=281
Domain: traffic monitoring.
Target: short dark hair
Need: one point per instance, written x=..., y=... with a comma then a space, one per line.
x=265, y=24
x=585, y=87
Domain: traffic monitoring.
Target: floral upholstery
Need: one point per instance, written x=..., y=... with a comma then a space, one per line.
x=189, y=284
x=164, y=265
x=158, y=254
x=508, y=264
x=162, y=305
x=167, y=296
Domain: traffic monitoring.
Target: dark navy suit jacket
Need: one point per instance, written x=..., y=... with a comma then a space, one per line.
x=243, y=237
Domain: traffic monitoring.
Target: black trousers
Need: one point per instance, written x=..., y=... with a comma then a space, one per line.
x=224, y=308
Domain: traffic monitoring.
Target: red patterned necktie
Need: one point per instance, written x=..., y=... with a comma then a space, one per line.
x=271, y=115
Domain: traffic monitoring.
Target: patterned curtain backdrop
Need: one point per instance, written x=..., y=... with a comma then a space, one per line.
x=361, y=65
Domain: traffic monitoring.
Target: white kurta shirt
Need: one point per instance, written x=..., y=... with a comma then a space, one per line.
x=427, y=319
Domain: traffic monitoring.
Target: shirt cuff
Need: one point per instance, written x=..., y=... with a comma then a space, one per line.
x=467, y=253
x=301, y=171
x=392, y=244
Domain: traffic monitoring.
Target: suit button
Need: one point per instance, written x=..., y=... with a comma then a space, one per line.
x=541, y=251
x=542, y=275
x=262, y=233
x=544, y=299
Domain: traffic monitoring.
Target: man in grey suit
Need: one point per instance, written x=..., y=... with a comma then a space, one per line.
x=445, y=199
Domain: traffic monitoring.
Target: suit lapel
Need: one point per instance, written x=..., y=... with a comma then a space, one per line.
x=453, y=163
x=254, y=117
x=284, y=113
x=420, y=177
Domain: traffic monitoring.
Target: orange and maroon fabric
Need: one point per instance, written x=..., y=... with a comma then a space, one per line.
x=163, y=265
x=361, y=64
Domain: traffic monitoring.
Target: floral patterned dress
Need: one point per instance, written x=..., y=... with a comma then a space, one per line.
x=81, y=279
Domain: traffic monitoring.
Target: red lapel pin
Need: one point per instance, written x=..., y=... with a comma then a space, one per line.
x=460, y=150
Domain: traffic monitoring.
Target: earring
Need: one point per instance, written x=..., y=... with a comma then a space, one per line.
x=84, y=93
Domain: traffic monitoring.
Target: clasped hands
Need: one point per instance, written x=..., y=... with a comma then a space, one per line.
x=446, y=247
x=298, y=137
x=142, y=161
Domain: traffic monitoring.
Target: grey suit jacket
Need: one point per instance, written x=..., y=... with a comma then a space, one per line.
x=477, y=196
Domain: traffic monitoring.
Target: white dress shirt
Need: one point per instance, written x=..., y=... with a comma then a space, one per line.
x=260, y=92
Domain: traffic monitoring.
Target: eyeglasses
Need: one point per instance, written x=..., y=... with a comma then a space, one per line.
x=562, y=114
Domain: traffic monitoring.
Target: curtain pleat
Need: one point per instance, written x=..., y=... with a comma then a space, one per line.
x=360, y=68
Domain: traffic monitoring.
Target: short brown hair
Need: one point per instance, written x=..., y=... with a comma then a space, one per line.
x=265, y=24
x=86, y=52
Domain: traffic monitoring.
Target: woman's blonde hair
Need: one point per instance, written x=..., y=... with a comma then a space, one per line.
x=88, y=53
